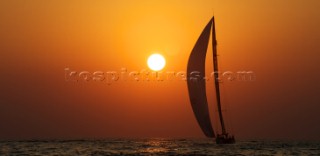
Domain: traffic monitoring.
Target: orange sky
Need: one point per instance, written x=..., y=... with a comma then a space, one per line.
x=277, y=40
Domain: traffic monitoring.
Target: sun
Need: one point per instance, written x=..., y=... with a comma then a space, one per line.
x=156, y=62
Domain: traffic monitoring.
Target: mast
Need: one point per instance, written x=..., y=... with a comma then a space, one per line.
x=216, y=74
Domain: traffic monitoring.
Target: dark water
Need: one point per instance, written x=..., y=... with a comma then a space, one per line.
x=155, y=147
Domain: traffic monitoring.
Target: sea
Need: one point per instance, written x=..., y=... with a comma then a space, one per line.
x=156, y=146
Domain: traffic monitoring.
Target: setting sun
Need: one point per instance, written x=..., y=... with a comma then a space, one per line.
x=156, y=62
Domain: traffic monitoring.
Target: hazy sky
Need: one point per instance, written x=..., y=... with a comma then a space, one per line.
x=276, y=39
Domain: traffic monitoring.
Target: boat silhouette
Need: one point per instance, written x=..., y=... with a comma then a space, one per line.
x=197, y=85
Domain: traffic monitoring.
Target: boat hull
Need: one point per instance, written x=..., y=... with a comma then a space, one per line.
x=225, y=139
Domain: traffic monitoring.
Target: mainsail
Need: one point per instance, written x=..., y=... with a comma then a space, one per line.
x=196, y=83
x=216, y=80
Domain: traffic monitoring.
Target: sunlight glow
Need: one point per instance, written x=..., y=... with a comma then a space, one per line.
x=156, y=62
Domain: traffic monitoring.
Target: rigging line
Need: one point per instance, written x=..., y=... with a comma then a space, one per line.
x=213, y=7
x=225, y=99
x=214, y=3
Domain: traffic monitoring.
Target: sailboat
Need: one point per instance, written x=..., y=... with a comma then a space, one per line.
x=197, y=85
